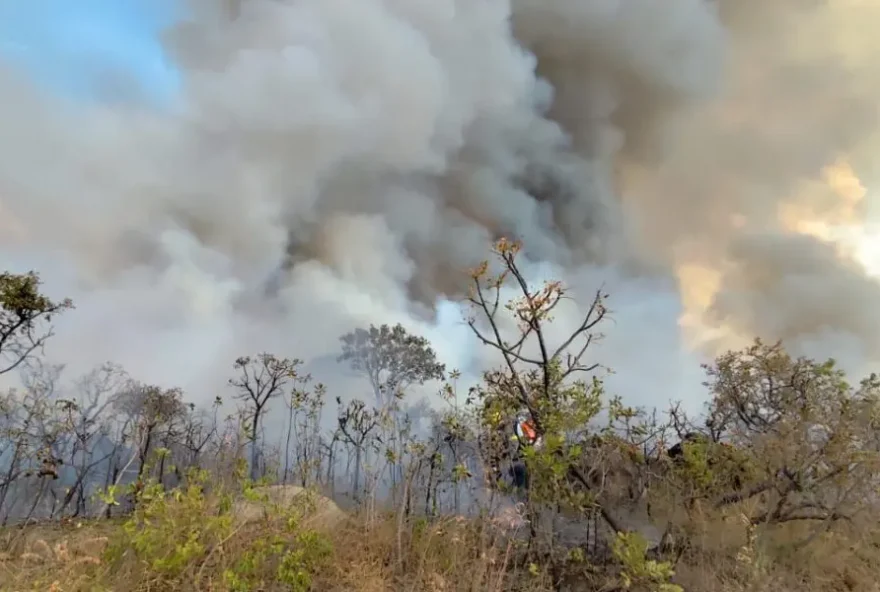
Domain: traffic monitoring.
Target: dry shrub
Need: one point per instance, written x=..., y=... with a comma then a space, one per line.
x=730, y=555
x=450, y=554
x=54, y=557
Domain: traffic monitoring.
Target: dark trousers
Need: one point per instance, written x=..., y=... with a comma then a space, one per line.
x=519, y=475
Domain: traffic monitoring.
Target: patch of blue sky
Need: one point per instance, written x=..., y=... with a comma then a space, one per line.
x=86, y=48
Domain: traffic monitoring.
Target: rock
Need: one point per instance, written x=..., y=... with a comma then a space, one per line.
x=320, y=512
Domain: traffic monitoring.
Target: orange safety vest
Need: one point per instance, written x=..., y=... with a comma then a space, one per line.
x=526, y=431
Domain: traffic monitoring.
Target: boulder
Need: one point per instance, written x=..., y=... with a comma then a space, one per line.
x=319, y=512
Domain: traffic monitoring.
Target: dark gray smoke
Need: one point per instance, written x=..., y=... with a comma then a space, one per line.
x=336, y=163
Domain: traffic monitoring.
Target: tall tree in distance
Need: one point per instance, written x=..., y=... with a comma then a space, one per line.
x=153, y=409
x=356, y=425
x=259, y=380
x=24, y=311
x=392, y=360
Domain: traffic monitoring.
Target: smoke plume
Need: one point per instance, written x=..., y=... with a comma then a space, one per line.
x=330, y=164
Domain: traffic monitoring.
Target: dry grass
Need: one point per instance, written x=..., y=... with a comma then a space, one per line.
x=374, y=554
x=448, y=555
x=55, y=556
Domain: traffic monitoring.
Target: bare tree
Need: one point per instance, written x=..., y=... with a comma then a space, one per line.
x=43, y=433
x=154, y=409
x=535, y=375
x=82, y=419
x=198, y=430
x=535, y=379
x=121, y=432
x=328, y=447
x=86, y=420
x=452, y=431
x=261, y=379
x=304, y=407
x=356, y=426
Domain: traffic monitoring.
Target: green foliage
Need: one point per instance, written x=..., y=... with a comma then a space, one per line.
x=568, y=468
x=796, y=426
x=696, y=465
x=175, y=534
x=762, y=389
x=638, y=572
x=24, y=309
x=708, y=469
x=171, y=531
x=294, y=558
x=309, y=553
x=109, y=496
x=567, y=408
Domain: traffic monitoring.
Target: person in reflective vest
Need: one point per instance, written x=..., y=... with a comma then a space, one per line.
x=525, y=434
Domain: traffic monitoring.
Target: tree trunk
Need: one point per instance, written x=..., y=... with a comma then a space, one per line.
x=287, y=445
x=143, y=453
x=255, y=454
x=357, y=472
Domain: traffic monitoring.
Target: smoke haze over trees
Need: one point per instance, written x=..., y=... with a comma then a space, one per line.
x=783, y=440
x=320, y=168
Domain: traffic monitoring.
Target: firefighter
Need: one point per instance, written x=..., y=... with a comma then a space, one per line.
x=524, y=434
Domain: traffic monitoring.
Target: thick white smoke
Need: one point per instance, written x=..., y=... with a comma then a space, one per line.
x=333, y=163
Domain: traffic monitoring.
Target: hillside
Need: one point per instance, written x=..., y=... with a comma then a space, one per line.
x=536, y=480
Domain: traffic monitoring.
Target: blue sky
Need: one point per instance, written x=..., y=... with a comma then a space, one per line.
x=75, y=47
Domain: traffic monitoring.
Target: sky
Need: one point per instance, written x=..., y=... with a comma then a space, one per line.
x=82, y=48
x=158, y=222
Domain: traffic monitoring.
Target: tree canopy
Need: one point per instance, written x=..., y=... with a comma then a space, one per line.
x=25, y=317
x=391, y=358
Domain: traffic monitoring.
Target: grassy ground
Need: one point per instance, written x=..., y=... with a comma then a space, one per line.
x=189, y=544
